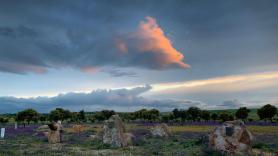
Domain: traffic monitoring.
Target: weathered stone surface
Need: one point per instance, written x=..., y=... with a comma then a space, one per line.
x=54, y=135
x=232, y=137
x=161, y=130
x=129, y=137
x=113, y=132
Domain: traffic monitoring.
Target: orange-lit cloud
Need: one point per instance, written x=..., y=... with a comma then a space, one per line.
x=21, y=68
x=121, y=46
x=150, y=43
x=89, y=69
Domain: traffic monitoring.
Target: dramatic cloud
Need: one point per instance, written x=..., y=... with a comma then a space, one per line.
x=119, y=100
x=120, y=73
x=38, y=48
x=148, y=46
x=230, y=104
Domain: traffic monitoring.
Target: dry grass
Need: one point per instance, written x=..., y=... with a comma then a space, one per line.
x=253, y=129
x=264, y=129
x=191, y=128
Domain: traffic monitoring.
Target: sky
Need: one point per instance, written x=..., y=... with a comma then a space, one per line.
x=128, y=55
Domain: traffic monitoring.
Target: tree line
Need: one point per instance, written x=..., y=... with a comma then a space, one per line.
x=266, y=112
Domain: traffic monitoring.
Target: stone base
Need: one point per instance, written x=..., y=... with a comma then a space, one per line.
x=54, y=137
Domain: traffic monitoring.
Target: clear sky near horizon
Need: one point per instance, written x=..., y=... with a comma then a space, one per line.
x=127, y=55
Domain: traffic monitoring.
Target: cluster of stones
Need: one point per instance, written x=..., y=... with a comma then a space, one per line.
x=231, y=138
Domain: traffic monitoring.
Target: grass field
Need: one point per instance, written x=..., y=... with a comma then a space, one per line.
x=186, y=140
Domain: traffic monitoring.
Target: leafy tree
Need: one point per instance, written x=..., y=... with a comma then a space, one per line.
x=205, y=115
x=140, y=114
x=27, y=115
x=74, y=117
x=224, y=116
x=214, y=116
x=4, y=119
x=107, y=113
x=81, y=116
x=43, y=118
x=267, y=112
x=194, y=113
x=60, y=114
x=242, y=113
x=145, y=114
x=152, y=115
x=183, y=114
x=167, y=117
x=176, y=113
x=102, y=115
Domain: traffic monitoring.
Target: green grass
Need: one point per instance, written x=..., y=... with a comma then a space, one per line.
x=181, y=143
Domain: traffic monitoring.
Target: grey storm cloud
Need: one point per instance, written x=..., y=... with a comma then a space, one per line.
x=120, y=73
x=231, y=104
x=118, y=99
x=37, y=36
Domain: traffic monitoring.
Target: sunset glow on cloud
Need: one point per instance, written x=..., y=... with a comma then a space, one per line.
x=222, y=84
x=150, y=41
x=187, y=52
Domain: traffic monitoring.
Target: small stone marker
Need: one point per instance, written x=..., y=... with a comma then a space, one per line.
x=161, y=130
x=15, y=125
x=2, y=133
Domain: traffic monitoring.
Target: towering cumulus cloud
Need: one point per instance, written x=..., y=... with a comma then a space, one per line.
x=149, y=46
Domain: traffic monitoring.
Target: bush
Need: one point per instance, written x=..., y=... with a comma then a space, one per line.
x=4, y=119
x=267, y=112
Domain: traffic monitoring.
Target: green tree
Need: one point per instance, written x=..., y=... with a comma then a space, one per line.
x=102, y=115
x=27, y=115
x=214, y=116
x=60, y=114
x=205, y=115
x=194, y=113
x=4, y=120
x=167, y=117
x=43, y=118
x=107, y=113
x=242, y=113
x=267, y=112
x=140, y=114
x=224, y=116
x=81, y=115
x=152, y=115
x=176, y=113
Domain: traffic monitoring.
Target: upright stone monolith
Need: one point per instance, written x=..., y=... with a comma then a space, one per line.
x=113, y=132
x=54, y=135
x=232, y=137
x=2, y=133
